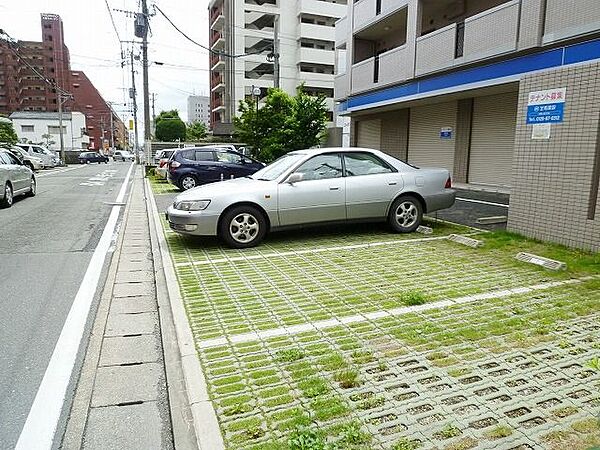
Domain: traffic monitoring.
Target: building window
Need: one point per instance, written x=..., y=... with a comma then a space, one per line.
x=53, y=129
x=27, y=128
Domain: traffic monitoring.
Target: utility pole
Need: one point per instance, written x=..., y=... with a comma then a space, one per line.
x=276, y=52
x=61, y=99
x=112, y=131
x=132, y=95
x=147, y=131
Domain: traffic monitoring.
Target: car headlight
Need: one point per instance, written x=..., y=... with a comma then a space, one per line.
x=186, y=205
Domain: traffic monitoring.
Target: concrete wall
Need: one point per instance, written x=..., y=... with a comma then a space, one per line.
x=555, y=185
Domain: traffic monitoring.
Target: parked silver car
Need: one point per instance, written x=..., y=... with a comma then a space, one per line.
x=123, y=155
x=33, y=162
x=49, y=158
x=313, y=186
x=15, y=179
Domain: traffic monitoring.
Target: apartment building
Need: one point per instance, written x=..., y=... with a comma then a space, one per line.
x=198, y=109
x=22, y=89
x=247, y=27
x=501, y=93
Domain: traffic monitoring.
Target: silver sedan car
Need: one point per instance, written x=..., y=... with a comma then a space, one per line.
x=313, y=186
x=15, y=179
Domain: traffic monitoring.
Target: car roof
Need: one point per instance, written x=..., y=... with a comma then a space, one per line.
x=318, y=151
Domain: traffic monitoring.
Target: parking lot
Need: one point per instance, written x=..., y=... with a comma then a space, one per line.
x=361, y=338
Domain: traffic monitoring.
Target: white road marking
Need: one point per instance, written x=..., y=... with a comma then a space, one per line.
x=54, y=172
x=330, y=323
x=99, y=179
x=40, y=426
x=313, y=250
x=472, y=200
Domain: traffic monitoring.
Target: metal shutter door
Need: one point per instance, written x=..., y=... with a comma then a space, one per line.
x=425, y=147
x=369, y=134
x=492, y=139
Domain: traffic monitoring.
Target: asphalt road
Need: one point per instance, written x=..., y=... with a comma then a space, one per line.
x=46, y=244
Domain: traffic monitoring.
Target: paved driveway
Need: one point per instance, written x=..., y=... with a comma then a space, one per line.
x=366, y=339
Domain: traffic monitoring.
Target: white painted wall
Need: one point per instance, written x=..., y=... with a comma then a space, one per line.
x=73, y=127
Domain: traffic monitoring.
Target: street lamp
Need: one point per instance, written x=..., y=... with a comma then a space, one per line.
x=256, y=94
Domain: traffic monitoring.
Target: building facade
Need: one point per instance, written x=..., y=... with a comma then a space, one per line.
x=306, y=49
x=198, y=109
x=501, y=93
x=43, y=128
x=22, y=89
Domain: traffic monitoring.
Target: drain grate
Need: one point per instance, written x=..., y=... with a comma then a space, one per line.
x=424, y=230
x=464, y=240
x=541, y=261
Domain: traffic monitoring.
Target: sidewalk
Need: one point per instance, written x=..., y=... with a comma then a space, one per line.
x=123, y=400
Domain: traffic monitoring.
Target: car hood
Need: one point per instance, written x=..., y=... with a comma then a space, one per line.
x=224, y=189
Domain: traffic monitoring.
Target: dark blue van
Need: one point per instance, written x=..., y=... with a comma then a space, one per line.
x=191, y=167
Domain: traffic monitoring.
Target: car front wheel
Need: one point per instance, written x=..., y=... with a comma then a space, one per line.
x=7, y=201
x=188, y=182
x=243, y=227
x=32, y=187
x=406, y=214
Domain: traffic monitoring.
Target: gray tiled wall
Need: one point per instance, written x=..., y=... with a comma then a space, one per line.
x=552, y=181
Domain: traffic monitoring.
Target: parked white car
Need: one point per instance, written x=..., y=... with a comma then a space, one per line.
x=123, y=155
x=49, y=158
x=33, y=162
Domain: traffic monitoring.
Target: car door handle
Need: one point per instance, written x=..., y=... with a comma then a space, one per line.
x=334, y=188
x=392, y=183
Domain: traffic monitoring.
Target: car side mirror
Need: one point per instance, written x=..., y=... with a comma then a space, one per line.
x=295, y=177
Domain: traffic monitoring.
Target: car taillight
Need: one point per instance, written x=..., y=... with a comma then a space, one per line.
x=162, y=163
x=448, y=183
x=174, y=165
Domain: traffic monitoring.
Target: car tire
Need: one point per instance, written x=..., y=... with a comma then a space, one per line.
x=188, y=182
x=405, y=214
x=243, y=227
x=32, y=187
x=8, y=199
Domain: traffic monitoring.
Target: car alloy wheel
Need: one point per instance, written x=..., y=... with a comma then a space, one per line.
x=244, y=228
x=32, y=187
x=405, y=214
x=188, y=182
x=8, y=196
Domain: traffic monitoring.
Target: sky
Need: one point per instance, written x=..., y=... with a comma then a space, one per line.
x=95, y=49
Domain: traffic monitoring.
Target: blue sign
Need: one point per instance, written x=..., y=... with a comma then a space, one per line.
x=446, y=133
x=548, y=113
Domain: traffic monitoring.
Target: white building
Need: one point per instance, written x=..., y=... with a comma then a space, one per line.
x=198, y=109
x=43, y=128
x=306, y=48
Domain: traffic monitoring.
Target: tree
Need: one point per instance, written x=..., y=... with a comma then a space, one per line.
x=283, y=124
x=49, y=141
x=196, y=131
x=170, y=127
x=8, y=137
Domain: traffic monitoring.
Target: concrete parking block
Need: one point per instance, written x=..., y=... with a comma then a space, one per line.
x=133, y=305
x=124, y=324
x=127, y=350
x=133, y=289
x=134, y=276
x=124, y=384
x=129, y=427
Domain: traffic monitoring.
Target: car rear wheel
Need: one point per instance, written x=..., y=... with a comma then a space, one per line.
x=243, y=227
x=406, y=214
x=188, y=182
x=32, y=187
x=8, y=199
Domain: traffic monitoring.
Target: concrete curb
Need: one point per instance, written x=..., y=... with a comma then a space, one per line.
x=206, y=425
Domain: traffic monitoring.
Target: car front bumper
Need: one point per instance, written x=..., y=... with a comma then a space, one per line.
x=197, y=223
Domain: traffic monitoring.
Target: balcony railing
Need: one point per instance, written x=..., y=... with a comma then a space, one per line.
x=341, y=31
x=393, y=66
x=582, y=16
x=363, y=75
x=340, y=87
x=369, y=11
x=489, y=33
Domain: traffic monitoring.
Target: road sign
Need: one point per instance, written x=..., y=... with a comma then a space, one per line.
x=446, y=133
x=546, y=106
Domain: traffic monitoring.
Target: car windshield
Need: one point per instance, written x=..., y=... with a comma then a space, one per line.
x=278, y=167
